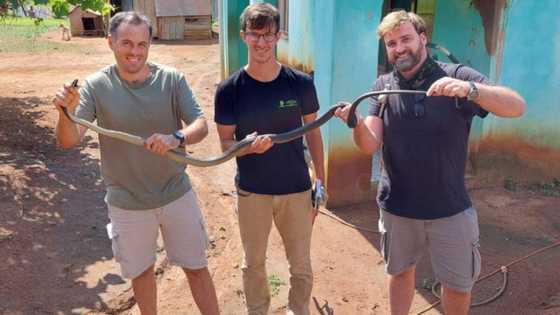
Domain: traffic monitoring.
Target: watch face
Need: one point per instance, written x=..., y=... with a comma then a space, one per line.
x=473, y=92
x=179, y=136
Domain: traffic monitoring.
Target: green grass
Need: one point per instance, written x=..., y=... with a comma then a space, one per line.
x=18, y=34
x=551, y=189
x=274, y=282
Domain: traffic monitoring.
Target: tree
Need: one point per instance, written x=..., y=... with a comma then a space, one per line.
x=101, y=6
x=60, y=8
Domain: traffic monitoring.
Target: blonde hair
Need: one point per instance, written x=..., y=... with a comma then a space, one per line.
x=398, y=18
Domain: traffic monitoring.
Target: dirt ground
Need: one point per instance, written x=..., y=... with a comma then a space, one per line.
x=55, y=257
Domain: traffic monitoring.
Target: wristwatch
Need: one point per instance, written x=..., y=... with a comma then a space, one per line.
x=473, y=92
x=180, y=136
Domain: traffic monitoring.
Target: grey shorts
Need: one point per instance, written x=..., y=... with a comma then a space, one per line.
x=134, y=234
x=452, y=243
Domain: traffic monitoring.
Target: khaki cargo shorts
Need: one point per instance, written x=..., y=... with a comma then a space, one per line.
x=134, y=234
x=453, y=245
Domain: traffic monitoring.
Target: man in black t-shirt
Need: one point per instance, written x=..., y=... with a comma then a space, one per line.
x=422, y=197
x=273, y=181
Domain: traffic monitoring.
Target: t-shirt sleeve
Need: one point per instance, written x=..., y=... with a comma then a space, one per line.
x=374, y=106
x=310, y=102
x=224, y=103
x=188, y=106
x=469, y=74
x=86, y=107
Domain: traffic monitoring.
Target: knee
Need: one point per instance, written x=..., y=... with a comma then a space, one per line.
x=448, y=291
x=301, y=267
x=405, y=274
x=254, y=262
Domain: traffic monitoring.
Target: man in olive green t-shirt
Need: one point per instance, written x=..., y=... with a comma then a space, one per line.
x=146, y=192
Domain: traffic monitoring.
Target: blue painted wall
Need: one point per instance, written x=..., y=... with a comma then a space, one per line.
x=458, y=27
x=337, y=41
x=234, y=51
x=531, y=65
x=524, y=54
x=346, y=67
x=297, y=48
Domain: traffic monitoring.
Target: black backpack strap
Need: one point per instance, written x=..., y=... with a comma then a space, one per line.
x=453, y=70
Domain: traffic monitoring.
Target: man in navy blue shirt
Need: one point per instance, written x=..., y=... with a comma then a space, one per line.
x=273, y=180
x=422, y=196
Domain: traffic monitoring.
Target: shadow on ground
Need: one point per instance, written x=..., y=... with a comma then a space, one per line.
x=512, y=225
x=51, y=206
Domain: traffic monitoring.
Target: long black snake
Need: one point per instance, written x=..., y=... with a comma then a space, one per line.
x=185, y=158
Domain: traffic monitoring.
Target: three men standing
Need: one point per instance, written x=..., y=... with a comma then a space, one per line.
x=422, y=197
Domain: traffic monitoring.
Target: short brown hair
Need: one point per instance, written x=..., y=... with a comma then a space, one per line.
x=259, y=16
x=398, y=18
x=128, y=17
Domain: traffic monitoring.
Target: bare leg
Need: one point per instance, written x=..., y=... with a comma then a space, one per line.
x=455, y=302
x=145, y=293
x=203, y=290
x=401, y=291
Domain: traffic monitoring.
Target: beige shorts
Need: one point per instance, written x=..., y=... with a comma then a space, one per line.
x=452, y=243
x=134, y=234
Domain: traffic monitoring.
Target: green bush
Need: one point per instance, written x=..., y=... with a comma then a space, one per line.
x=60, y=8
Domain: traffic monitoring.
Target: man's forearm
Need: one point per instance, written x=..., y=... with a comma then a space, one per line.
x=501, y=101
x=196, y=131
x=67, y=132
x=366, y=141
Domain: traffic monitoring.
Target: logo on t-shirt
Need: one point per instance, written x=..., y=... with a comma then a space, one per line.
x=288, y=103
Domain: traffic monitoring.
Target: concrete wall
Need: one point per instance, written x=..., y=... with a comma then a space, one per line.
x=528, y=60
x=515, y=43
x=346, y=57
x=336, y=42
x=234, y=51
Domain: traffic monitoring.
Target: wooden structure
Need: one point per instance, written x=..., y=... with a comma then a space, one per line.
x=177, y=19
x=86, y=22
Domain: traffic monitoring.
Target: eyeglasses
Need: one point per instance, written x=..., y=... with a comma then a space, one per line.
x=419, y=108
x=255, y=37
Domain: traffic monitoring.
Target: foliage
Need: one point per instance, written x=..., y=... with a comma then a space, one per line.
x=100, y=6
x=510, y=184
x=551, y=188
x=60, y=8
x=274, y=282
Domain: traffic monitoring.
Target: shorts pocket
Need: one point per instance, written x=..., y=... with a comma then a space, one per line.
x=114, y=237
x=476, y=260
